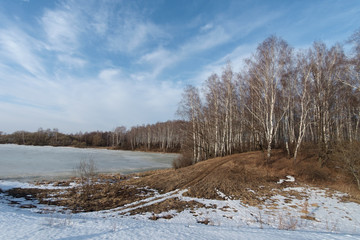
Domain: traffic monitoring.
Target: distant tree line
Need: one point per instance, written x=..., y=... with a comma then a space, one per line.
x=282, y=98
x=164, y=137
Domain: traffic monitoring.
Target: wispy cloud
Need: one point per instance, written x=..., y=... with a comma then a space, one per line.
x=206, y=39
x=236, y=58
x=132, y=34
x=210, y=39
x=21, y=49
x=206, y=27
x=159, y=60
x=61, y=28
x=118, y=29
x=71, y=61
x=211, y=36
x=110, y=74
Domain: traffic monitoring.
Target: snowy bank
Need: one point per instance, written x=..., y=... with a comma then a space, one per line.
x=326, y=217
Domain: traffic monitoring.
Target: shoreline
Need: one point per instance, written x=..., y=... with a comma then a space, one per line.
x=94, y=147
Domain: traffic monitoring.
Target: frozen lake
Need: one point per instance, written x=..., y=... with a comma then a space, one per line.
x=19, y=162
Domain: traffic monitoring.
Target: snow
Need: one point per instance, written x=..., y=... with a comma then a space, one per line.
x=6, y=185
x=289, y=179
x=230, y=219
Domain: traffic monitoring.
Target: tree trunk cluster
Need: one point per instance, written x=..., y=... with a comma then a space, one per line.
x=281, y=98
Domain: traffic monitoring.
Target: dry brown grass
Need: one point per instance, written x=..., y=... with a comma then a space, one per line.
x=234, y=175
x=167, y=205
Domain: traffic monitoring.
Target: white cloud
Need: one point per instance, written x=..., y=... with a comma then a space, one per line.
x=61, y=29
x=209, y=37
x=109, y=103
x=20, y=48
x=236, y=58
x=84, y=104
x=109, y=74
x=213, y=38
x=206, y=27
x=100, y=18
x=71, y=61
x=162, y=58
x=159, y=59
x=131, y=34
x=155, y=56
x=222, y=30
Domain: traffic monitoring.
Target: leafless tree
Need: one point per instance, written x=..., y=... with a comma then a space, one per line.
x=266, y=68
x=190, y=109
x=303, y=97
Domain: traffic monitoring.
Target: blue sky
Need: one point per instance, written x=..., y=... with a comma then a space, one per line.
x=94, y=65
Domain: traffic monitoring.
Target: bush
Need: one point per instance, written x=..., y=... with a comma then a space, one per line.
x=86, y=170
x=347, y=155
x=312, y=172
x=183, y=160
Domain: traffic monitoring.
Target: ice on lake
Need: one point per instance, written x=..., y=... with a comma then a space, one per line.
x=20, y=162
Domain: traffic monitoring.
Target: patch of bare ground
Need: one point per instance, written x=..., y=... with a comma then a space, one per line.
x=165, y=206
x=28, y=193
x=244, y=176
x=102, y=196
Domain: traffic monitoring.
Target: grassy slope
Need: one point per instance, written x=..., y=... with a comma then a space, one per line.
x=242, y=176
x=235, y=174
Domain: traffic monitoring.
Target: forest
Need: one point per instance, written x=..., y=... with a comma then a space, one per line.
x=159, y=137
x=282, y=98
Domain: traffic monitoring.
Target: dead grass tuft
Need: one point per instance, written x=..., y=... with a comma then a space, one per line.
x=206, y=221
x=307, y=217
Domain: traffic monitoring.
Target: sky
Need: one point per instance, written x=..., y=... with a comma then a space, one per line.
x=87, y=65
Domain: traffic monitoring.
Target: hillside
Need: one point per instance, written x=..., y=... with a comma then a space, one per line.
x=242, y=176
x=237, y=189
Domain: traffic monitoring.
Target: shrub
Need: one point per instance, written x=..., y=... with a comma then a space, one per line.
x=86, y=170
x=347, y=155
x=183, y=160
x=312, y=172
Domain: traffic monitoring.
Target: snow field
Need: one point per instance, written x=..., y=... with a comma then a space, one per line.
x=316, y=215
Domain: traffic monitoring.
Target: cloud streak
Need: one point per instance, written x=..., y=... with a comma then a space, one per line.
x=62, y=30
x=19, y=48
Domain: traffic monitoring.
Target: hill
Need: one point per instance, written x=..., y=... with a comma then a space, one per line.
x=233, y=191
x=244, y=176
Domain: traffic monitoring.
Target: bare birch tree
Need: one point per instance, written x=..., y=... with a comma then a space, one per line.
x=266, y=68
x=212, y=93
x=326, y=65
x=190, y=109
x=302, y=90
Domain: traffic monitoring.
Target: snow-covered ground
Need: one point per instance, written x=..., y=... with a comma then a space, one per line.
x=310, y=214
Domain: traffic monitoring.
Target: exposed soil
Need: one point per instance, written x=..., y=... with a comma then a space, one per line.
x=167, y=205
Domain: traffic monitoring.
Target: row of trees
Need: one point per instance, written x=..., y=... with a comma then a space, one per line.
x=281, y=98
x=165, y=137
